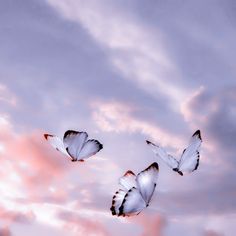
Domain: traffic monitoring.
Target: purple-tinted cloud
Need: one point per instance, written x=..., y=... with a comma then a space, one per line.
x=212, y=233
x=124, y=72
x=5, y=231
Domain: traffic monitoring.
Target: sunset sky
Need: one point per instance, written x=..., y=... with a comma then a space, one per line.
x=124, y=71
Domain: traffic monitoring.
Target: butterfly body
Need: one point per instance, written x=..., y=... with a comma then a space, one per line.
x=177, y=170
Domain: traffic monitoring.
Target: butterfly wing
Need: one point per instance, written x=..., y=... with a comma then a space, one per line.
x=117, y=201
x=190, y=158
x=146, y=181
x=132, y=204
x=160, y=152
x=74, y=142
x=128, y=181
x=90, y=148
x=56, y=142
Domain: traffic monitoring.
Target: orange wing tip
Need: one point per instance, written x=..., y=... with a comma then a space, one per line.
x=129, y=172
x=47, y=135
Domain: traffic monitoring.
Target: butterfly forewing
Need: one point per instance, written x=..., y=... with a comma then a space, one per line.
x=56, y=142
x=160, y=152
x=146, y=181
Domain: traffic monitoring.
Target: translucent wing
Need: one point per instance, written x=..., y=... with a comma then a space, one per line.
x=160, y=152
x=74, y=141
x=146, y=181
x=128, y=181
x=90, y=148
x=190, y=158
x=132, y=204
x=56, y=142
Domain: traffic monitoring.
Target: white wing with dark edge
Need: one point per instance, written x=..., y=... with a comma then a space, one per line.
x=117, y=201
x=146, y=181
x=160, y=152
x=132, y=204
x=190, y=158
x=90, y=148
x=56, y=142
x=128, y=181
x=74, y=142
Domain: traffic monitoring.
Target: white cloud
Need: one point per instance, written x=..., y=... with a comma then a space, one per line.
x=117, y=117
x=6, y=96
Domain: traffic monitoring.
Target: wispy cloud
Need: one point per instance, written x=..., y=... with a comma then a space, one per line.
x=137, y=51
x=120, y=117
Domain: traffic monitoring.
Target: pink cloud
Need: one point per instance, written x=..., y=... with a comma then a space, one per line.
x=152, y=224
x=35, y=172
x=31, y=165
x=81, y=225
x=212, y=233
x=11, y=216
x=5, y=231
x=42, y=164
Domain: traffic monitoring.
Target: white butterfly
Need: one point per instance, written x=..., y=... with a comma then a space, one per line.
x=189, y=160
x=75, y=145
x=135, y=192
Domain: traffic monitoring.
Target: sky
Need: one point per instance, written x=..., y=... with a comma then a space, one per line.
x=124, y=71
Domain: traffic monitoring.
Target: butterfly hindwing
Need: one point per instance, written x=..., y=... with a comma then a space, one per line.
x=117, y=201
x=90, y=148
x=132, y=204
